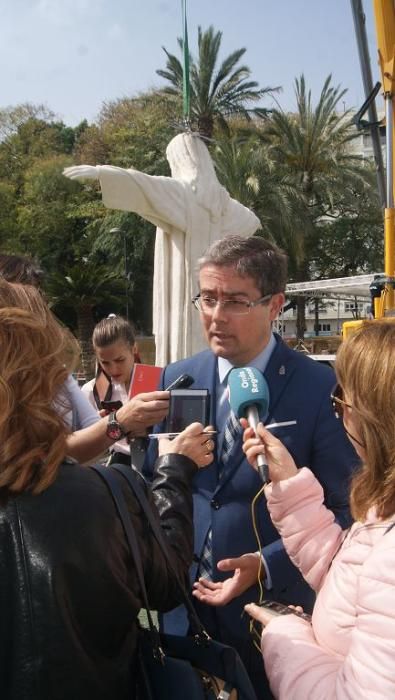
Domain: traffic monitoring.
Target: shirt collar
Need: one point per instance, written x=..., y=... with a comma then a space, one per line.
x=259, y=362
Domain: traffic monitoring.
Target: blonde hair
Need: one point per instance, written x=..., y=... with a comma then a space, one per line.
x=35, y=359
x=365, y=367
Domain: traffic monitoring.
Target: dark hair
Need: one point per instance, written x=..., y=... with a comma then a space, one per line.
x=111, y=329
x=253, y=257
x=17, y=268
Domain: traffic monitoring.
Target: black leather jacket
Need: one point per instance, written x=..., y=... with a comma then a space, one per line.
x=68, y=591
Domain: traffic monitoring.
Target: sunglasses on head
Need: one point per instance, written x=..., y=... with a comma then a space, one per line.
x=338, y=403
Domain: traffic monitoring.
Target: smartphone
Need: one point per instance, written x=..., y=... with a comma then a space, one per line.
x=187, y=406
x=281, y=609
x=111, y=405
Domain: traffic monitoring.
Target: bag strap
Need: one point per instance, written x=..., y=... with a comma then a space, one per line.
x=133, y=477
x=120, y=504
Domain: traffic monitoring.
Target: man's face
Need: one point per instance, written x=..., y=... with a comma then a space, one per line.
x=238, y=338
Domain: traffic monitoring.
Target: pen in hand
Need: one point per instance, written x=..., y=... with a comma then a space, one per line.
x=157, y=436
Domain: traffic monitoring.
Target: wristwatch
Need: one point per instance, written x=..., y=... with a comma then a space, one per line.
x=114, y=430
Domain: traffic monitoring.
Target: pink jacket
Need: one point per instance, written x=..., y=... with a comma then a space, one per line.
x=348, y=653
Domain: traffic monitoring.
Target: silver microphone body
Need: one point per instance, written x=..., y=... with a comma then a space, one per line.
x=253, y=420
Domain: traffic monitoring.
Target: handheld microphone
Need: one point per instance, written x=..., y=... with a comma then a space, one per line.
x=182, y=382
x=248, y=393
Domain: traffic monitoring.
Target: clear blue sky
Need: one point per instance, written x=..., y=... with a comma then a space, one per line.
x=74, y=54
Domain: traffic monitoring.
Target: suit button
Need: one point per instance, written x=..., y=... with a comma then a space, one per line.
x=215, y=504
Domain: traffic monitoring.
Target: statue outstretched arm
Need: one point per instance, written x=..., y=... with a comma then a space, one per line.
x=237, y=218
x=82, y=172
x=160, y=200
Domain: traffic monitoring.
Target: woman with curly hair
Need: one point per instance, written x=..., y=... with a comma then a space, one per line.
x=69, y=595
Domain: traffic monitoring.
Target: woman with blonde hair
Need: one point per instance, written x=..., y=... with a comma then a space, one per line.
x=69, y=595
x=348, y=649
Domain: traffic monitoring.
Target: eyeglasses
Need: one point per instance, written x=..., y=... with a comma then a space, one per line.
x=338, y=403
x=233, y=307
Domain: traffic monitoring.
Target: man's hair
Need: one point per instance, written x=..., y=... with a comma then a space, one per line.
x=111, y=329
x=365, y=369
x=35, y=359
x=253, y=257
x=18, y=268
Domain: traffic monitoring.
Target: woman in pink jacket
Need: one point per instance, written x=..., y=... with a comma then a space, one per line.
x=348, y=650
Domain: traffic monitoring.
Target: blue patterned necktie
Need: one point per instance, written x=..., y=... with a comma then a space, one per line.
x=231, y=433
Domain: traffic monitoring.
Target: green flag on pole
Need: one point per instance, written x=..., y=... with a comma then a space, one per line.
x=185, y=68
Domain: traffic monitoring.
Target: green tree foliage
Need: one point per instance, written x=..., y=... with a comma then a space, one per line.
x=313, y=197
x=246, y=169
x=8, y=217
x=86, y=285
x=313, y=145
x=352, y=242
x=217, y=91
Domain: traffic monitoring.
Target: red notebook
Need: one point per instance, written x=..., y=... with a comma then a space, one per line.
x=144, y=378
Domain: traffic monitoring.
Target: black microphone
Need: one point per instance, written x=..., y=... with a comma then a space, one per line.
x=182, y=382
x=248, y=393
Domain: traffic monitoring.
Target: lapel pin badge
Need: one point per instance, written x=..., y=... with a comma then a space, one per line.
x=281, y=370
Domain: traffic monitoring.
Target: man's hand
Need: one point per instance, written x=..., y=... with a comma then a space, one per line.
x=246, y=571
x=81, y=172
x=142, y=411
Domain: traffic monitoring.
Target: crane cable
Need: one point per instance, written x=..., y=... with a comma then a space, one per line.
x=186, y=90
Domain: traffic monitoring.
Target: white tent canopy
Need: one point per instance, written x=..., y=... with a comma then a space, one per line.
x=339, y=288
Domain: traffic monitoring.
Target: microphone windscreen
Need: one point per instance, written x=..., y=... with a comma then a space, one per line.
x=248, y=386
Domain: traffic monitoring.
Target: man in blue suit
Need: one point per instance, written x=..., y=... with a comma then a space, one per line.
x=242, y=283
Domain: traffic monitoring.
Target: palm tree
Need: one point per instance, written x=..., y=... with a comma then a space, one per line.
x=246, y=169
x=216, y=93
x=84, y=287
x=313, y=146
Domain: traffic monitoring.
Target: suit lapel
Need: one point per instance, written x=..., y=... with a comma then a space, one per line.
x=279, y=371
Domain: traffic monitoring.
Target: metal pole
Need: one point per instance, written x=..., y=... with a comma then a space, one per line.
x=388, y=120
x=364, y=59
x=119, y=231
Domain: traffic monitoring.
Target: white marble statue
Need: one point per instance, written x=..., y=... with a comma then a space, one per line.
x=190, y=210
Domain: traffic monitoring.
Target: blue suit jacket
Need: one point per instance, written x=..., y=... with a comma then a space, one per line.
x=299, y=390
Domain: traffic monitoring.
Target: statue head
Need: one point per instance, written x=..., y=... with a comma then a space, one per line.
x=190, y=162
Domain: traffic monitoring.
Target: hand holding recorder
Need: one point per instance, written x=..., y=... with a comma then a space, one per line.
x=269, y=609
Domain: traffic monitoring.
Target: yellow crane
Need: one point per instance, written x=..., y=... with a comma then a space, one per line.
x=384, y=14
